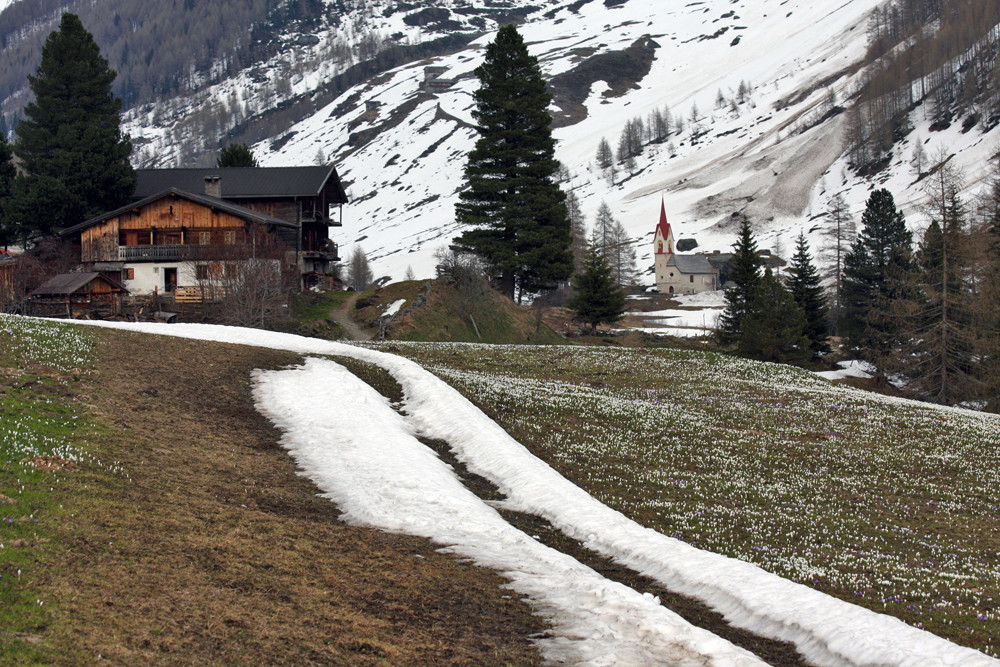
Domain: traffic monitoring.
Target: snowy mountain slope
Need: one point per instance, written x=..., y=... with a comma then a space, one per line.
x=403, y=183
x=775, y=156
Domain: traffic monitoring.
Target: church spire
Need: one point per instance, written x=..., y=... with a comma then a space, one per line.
x=664, y=237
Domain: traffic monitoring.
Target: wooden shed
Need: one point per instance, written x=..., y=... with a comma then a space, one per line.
x=78, y=294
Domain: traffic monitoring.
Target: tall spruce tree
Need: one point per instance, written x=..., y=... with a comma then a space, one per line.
x=804, y=284
x=745, y=272
x=772, y=328
x=237, y=155
x=517, y=212
x=74, y=155
x=839, y=235
x=578, y=231
x=597, y=297
x=7, y=174
x=941, y=355
x=876, y=281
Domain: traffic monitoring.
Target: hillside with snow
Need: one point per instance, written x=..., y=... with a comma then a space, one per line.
x=748, y=157
x=766, y=157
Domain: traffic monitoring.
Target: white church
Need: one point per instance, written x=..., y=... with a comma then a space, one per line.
x=679, y=274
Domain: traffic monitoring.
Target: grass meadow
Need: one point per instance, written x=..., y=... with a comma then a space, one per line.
x=886, y=503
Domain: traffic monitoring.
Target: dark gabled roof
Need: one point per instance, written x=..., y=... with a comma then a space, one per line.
x=246, y=182
x=68, y=283
x=205, y=200
x=689, y=264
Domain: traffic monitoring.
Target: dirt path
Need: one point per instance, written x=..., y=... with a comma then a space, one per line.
x=341, y=316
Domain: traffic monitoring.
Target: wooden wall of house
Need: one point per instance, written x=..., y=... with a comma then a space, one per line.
x=176, y=222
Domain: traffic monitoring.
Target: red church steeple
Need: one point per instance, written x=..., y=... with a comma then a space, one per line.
x=664, y=238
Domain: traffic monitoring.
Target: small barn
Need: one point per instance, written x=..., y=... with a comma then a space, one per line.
x=78, y=294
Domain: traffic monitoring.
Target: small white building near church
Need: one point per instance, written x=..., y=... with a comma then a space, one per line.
x=679, y=274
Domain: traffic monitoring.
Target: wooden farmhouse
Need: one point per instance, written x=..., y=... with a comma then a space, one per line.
x=185, y=227
x=679, y=273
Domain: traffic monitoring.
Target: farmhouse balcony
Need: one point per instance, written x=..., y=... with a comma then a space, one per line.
x=153, y=252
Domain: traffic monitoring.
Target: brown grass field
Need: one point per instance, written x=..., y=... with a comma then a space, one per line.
x=201, y=544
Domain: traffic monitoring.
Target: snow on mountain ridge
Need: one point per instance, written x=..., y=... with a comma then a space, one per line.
x=403, y=160
x=421, y=160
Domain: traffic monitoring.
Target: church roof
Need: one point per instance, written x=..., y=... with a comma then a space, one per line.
x=688, y=264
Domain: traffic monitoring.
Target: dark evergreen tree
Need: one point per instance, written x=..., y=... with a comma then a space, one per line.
x=804, y=285
x=578, y=231
x=7, y=173
x=745, y=273
x=73, y=152
x=772, y=328
x=941, y=351
x=236, y=155
x=511, y=201
x=876, y=281
x=597, y=298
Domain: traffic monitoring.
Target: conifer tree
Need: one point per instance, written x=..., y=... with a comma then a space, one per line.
x=578, y=231
x=359, y=274
x=940, y=349
x=839, y=234
x=745, y=274
x=73, y=152
x=7, y=173
x=804, y=285
x=597, y=298
x=511, y=201
x=772, y=328
x=876, y=275
x=611, y=239
x=237, y=155
x=605, y=156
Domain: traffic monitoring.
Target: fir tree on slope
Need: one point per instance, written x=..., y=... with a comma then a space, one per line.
x=940, y=355
x=761, y=320
x=236, y=155
x=7, y=174
x=597, y=298
x=611, y=239
x=772, y=328
x=745, y=274
x=359, y=274
x=516, y=210
x=74, y=155
x=578, y=231
x=804, y=285
x=875, y=283
x=989, y=296
x=838, y=236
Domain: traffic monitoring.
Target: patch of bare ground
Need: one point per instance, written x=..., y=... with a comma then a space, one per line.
x=210, y=549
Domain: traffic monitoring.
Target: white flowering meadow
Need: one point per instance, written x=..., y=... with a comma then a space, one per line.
x=38, y=359
x=890, y=504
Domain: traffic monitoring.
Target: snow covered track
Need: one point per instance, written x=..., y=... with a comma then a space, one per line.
x=365, y=457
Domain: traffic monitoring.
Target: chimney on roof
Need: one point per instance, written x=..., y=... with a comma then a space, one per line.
x=213, y=186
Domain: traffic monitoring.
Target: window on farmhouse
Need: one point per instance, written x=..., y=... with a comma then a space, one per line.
x=691, y=278
x=204, y=238
x=230, y=238
x=201, y=272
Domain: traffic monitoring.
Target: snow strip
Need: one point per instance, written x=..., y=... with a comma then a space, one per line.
x=366, y=459
x=825, y=629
